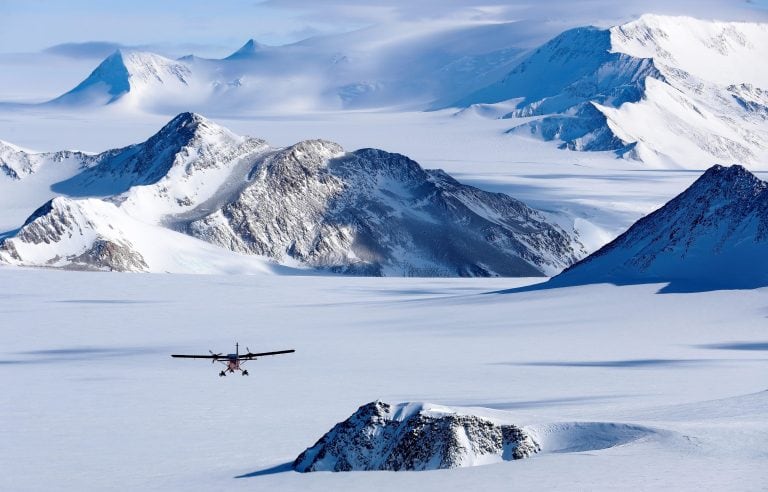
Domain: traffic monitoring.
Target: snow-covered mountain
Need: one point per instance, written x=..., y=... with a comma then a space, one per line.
x=131, y=77
x=376, y=213
x=670, y=91
x=714, y=234
x=92, y=234
x=312, y=204
x=415, y=437
x=18, y=163
x=395, y=65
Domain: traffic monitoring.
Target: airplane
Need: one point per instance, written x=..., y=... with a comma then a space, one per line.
x=234, y=361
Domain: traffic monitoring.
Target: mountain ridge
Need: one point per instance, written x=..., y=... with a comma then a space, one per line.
x=367, y=212
x=712, y=235
x=595, y=89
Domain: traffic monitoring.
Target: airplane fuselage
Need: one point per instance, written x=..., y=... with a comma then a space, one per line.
x=233, y=363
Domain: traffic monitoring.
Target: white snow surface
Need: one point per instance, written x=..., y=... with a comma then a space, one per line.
x=622, y=386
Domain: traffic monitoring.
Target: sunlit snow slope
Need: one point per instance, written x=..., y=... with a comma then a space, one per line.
x=670, y=91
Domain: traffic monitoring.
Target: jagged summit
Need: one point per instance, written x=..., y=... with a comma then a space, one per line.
x=186, y=145
x=414, y=437
x=714, y=234
x=187, y=126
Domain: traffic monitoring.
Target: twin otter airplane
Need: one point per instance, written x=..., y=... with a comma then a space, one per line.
x=234, y=361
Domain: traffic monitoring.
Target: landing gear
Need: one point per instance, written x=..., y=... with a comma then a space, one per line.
x=222, y=374
x=245, y=372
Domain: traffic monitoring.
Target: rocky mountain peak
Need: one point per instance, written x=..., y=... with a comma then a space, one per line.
x=414, y=436
x=713, y=234
x=735, y=179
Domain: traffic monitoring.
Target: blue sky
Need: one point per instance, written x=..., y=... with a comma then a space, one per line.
x=215, y=28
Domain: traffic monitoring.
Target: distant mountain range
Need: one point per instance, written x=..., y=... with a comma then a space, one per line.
x=372, y=67
x=195, y=194
x=667, y=91
x=713, y=235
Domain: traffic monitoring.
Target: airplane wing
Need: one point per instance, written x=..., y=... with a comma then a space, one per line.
x=183, y=356
x=251, y=355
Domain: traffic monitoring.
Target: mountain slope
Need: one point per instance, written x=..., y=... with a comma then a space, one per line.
x=131, y=77
x=366, y=212
x=375, y=213
x=92, y=234
x=714, y=234
x=18, y=163
x=179, y=167
x=670, y=91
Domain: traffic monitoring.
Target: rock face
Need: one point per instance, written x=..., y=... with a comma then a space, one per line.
x=414, y=437
x=670, y=91
x=714, y=234
x=367, y=212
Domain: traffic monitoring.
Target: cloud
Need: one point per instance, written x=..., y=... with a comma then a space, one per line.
x=555, y=12
x=88, y=49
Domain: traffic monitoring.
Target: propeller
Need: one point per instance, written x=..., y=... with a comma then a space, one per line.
x=215, y=357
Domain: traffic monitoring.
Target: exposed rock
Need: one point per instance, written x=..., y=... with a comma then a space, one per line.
x=380, y=436
x=109, y=255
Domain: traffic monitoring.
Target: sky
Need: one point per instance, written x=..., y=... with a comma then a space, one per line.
x=178, y=27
